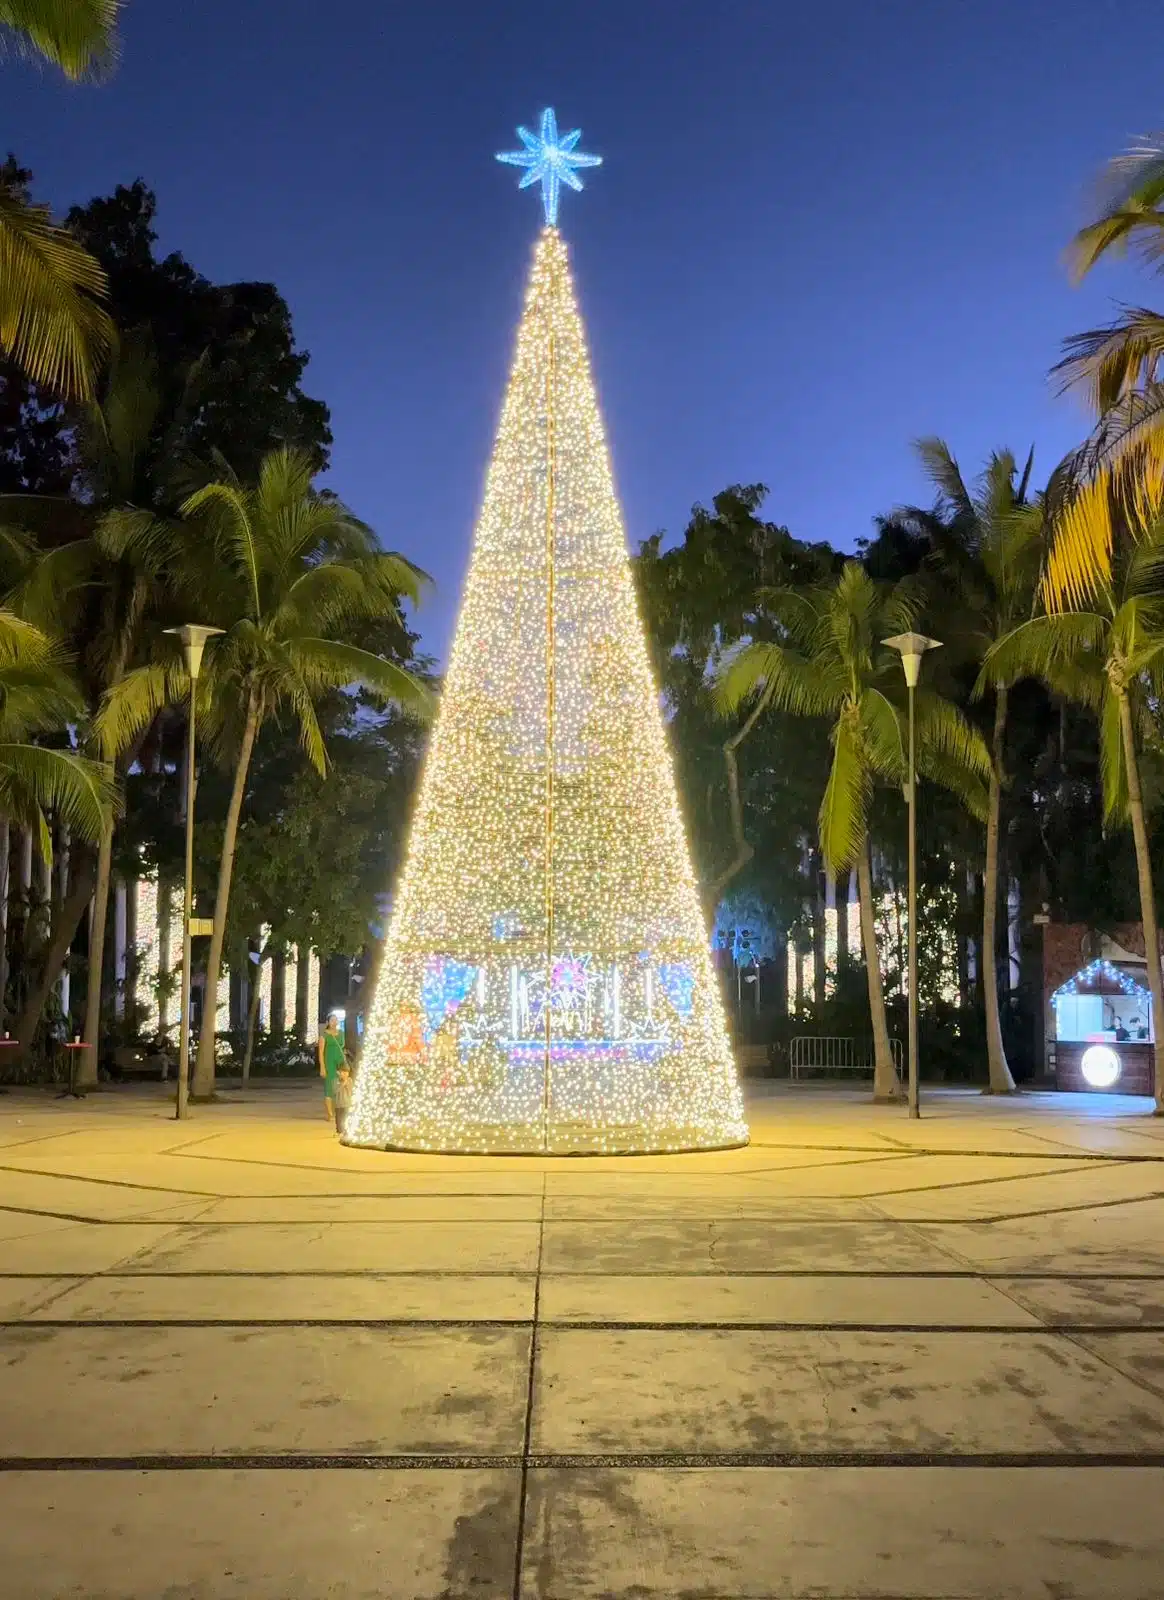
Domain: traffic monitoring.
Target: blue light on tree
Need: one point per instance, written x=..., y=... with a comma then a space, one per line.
x=550, y=159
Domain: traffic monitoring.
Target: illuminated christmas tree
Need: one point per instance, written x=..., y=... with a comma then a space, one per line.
x=546, y=983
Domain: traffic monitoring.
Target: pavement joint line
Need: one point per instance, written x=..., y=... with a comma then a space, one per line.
x=543, y=1461
x=109, y=1183
x=874, y=1274
x=531, y=1387
x=1068, y=1330
x=777, y=1219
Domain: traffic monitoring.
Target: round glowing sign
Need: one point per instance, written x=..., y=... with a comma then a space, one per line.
x=1100, y=1066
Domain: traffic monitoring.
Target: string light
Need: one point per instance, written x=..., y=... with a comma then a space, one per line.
x=290, y=989
x=170, y=917
x=547, y=984
x=1097, y=972
x=311, y=1021
x=147, y=962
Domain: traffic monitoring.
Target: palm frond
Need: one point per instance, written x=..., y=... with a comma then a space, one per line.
x=884, y=736
x=231, y=513
x=129, y=707
x=1079, y=561
x=326, y=664
x=784, y=677
x=79, y=36
x=939, y=464
x=1112, y=763
x=1130, y=195
x=944, y=734
x=51, y=324
x=844, y=807
x=1106, y=363
x=35, y=780
x=1044, y=646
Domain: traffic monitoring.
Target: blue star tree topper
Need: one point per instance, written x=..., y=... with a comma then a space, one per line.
x=551, y=159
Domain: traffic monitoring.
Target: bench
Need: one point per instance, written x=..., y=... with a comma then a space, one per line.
x=131, y=1061
x=833, y=1053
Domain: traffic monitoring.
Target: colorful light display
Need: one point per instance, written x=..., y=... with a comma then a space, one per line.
x=547, y=984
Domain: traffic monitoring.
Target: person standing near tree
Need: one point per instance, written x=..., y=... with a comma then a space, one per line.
x=331, y=1058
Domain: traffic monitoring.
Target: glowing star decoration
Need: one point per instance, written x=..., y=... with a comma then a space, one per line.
x=551, y=160
x=547, y=918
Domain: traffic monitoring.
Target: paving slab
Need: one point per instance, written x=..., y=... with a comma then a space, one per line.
x=879, y=1534
x=1140, y=1355
x=74, y=1249
x=1090, y=1300
x=239, y=1298
x=260, y=1535
x=738, y=1245
x=69, y=1392
x=724, y=1391
x=898, y=1301
x=418, y=1206
x=334, y=1246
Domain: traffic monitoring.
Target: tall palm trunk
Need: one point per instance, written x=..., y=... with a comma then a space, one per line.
x=885, y=1084
x=87, y=1070
x=1001, y=1081
x=202, y=1086
x=1147, y=891
x=64, y=931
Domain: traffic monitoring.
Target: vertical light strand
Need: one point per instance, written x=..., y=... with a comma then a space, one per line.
x=551, y=672
x=290, y=990
x=147, y=953
x=312, y=1019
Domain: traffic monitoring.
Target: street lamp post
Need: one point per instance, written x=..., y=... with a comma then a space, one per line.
x=193, y=639
x=911, y=647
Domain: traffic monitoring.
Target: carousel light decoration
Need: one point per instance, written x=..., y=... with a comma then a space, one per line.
x=547, y=983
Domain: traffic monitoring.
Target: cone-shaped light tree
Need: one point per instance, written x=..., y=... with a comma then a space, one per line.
x=546, y=982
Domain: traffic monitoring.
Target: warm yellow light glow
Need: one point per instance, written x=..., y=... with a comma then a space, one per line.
x=311, y=1021
x=147, y=954
x=547, y=983
x=290, y=989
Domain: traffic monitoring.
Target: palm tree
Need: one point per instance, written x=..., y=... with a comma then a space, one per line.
x=835, y=666
x=100, y=588
x=52, y=324
x=1108, y=654
x=1118, y=368
x=987, y=546
x=79, y=36
x=286, y=572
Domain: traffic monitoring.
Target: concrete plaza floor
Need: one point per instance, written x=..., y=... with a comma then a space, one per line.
x=861, y=1358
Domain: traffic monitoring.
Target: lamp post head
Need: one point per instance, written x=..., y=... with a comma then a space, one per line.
x=193, y=636
x=911, y=647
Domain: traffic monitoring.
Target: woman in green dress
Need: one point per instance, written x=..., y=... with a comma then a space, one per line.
x=331, y=1059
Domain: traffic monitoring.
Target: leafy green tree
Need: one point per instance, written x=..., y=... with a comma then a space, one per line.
x=699, y=599
x=831, y=664
x=1109, y=656
x=226, y=353
x=287, y=573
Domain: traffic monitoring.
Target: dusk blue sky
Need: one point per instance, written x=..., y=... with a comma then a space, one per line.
x=820, y=230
